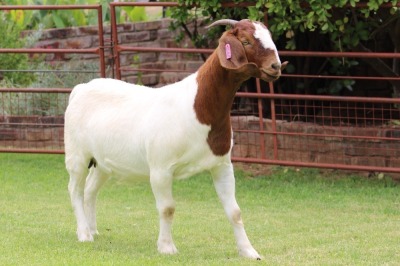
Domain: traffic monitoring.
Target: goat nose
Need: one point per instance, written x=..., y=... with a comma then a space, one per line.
x=276, y=66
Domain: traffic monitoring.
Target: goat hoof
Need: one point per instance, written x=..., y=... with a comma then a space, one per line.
x=85, y=236
x=250, y=253
x=94, y=232
x=168, y=249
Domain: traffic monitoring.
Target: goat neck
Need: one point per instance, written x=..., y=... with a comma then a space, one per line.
x=216, y=90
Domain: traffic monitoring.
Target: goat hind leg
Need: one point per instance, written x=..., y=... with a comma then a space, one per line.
x=76, y=186
x=94, y=182
x=224, y=182
x=161, y=185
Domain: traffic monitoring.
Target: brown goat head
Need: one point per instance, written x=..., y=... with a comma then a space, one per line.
x=248, y=49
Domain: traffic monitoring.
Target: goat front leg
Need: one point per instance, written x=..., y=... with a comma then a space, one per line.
x=224, y=182
x=161, y=184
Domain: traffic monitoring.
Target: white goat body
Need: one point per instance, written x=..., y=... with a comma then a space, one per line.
x=112, y=124
x=169, y=133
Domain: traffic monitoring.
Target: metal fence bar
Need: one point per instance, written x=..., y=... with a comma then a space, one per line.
x=315, y=135
x=48, y=71
x=260, y=118
x=339, y=77
x=318, y=165
x=47, y=7
x=48, y=50
x=39, y=151
x=339, y=54
x=319, y=97
x=273, y=119
x=36, y=90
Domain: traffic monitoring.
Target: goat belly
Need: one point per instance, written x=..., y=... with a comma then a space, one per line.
x=183, y=153
x=185, y=170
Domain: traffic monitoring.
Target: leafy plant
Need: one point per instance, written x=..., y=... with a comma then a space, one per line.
x=132, y=14
x=31, y=19
x=345, y=24
x=11, y=38
x=59, y=76
x=190, y=15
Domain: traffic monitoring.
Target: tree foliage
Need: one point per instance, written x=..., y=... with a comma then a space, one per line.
x=346, y=24
x=324, y=25
x=193, y=14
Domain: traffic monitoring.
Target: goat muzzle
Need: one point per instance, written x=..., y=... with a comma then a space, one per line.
x=273, y=72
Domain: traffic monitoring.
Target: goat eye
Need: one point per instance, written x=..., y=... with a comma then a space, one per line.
x=245, y=43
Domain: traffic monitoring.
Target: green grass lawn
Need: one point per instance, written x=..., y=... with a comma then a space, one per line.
x=292, y=218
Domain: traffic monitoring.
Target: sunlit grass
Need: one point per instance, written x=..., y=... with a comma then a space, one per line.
x=292, y=218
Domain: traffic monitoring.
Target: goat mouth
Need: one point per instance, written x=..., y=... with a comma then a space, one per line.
x=270, y=76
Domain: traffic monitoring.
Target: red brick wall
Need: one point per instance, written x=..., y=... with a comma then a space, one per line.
x=142, y=34
x=323, y=144
x=32, y=132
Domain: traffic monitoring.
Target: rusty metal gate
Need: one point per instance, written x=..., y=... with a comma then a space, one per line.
x=25, y=123
x=355, y=133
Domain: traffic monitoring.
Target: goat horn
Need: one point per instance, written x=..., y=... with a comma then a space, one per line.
x=230, y=22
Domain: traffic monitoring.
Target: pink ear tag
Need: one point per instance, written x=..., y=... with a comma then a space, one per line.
x=228, y=52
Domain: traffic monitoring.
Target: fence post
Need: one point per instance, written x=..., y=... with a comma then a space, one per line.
x=273, y=113
x=101, y=41
x=115, y=41
x=261, y=119
x=273, y=122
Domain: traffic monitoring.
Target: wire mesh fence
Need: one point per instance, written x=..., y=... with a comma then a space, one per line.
x=32, y=120
x=322, y=131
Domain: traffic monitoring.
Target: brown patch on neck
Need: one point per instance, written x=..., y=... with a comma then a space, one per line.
x=213, y=102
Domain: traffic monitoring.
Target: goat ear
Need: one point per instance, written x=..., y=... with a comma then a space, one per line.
x=230, y=52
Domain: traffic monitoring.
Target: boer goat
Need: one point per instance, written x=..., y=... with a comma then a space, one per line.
x=173, y=132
